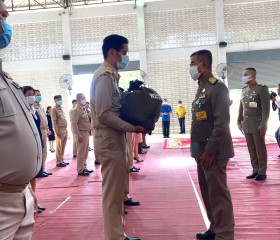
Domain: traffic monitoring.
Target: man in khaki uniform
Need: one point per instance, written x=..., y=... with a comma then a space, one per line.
x=80, y=126
x=60, y=128
x=20, y=165
x=43, y=126
x=252, y=121
x=211, y=146
x=75, y=146
x=109, y=136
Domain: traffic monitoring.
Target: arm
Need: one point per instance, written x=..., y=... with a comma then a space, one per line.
x=240, y=115
x=54, y=120
x=103, y=105
x=221, y=117
x=74, y=118
x=265, y=103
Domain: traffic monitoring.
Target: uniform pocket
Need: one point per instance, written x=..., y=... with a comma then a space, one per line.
x=7, y=107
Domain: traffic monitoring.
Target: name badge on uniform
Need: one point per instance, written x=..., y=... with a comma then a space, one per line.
x=253, y=104
x=201, y=115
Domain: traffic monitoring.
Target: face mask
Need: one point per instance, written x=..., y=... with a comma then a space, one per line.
x=59, y=102
x=194, y=72
x=38, y=98
x=123, y=64
x=6, y=36
x=83, y=102
x=30, y=99
x=180, y=105
x=246, y=79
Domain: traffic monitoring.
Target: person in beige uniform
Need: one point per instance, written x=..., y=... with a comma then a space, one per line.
x=252, y=121
x=80, y=126
x=109, y=137
x=75, y=145
x=211, y=146
x=60, y=128
x=44, y=128
x=20, y=165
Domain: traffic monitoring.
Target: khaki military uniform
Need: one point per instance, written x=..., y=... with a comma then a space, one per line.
x=110, y=147
x=75, y=145
x=253, y=113
x=80, y=124
x=210, y=133
x=44, y=131
x=60, y=127
x=20, y=161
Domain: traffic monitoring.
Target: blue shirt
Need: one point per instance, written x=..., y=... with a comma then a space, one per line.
x=165, y=108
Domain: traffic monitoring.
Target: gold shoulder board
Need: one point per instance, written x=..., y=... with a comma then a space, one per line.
x=109, y=70
x=212, y=80
x=7, y=75
x=261, y=85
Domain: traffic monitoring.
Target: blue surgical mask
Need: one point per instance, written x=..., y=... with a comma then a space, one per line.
x=246, y=79
x=123, y=64
x=59, y=103
x=38, y=98
x=6, y=36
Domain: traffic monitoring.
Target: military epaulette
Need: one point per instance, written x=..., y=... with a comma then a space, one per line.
x=261, y=85
x=16, y=85
x=109, y=70
x=7, y=75
x=212, y=80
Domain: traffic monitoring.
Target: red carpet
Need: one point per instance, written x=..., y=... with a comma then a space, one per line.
x=170, y=143
x=169, y=208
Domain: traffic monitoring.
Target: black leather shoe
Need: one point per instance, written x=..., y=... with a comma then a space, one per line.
x=132, y=238
x=125, y=212
x=278, y=156
x=260, y=177
x=41, y=208
x=253, y=175
x=90, y=149
x=66, y=163
x=146, y=146
x=75, y=155
x=49, y=173
x=134, y=169
x=138, y=159
x=131, y=202
x=142, y=152
x=83, y=173
x=207, y=235
x=89, y=171
x=61, y=165
x=97, y=163
x=42, y=174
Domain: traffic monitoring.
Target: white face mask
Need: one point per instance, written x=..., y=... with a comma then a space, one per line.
x=246, y=79
x=123, y=64
x=180, y=105
x=194, y=72
x=83, y=102
x=30, y=99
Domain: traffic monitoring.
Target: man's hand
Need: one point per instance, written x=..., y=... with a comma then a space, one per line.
x=262, y=131
x=80, y=138
x=206, y=160
x=139, y=129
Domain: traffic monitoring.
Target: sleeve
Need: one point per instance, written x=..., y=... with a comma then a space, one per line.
x=265, y=104
x=54, y=120
x=74, y=118
x=240, y=113
x=103, y=105
x=277, y=105
x=221, y=118
x=170, y=109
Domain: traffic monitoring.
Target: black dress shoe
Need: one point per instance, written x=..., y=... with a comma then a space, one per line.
x=134, y=169
x=207, y=235
x=132, y=238
x=89, y=171
x=142, y=152
x=97, y=163
x=90, y=149
x=66, y=163
x=42, y=174
x=138, y=159
x=75, y=155
x=83, y=173
x=146, y=146
x=131, y=202
x=41, y=208
x=49, y=173
x=260, y=177
x=61, y=164
x=278, y=156
x=253, y=175
x=125, y=212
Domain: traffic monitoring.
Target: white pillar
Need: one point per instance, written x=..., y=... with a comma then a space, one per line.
x=220, y=30
x=142, y=40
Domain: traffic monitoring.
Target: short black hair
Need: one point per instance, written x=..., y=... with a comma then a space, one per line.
x=252, y=70
x=27, y=88
x=74, y=100
x=48, y=107
x=57, y=96
x=180, y=101
x=113, y=41
x=206, y=54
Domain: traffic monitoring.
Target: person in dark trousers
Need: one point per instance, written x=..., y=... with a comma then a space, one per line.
x=166, y=110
